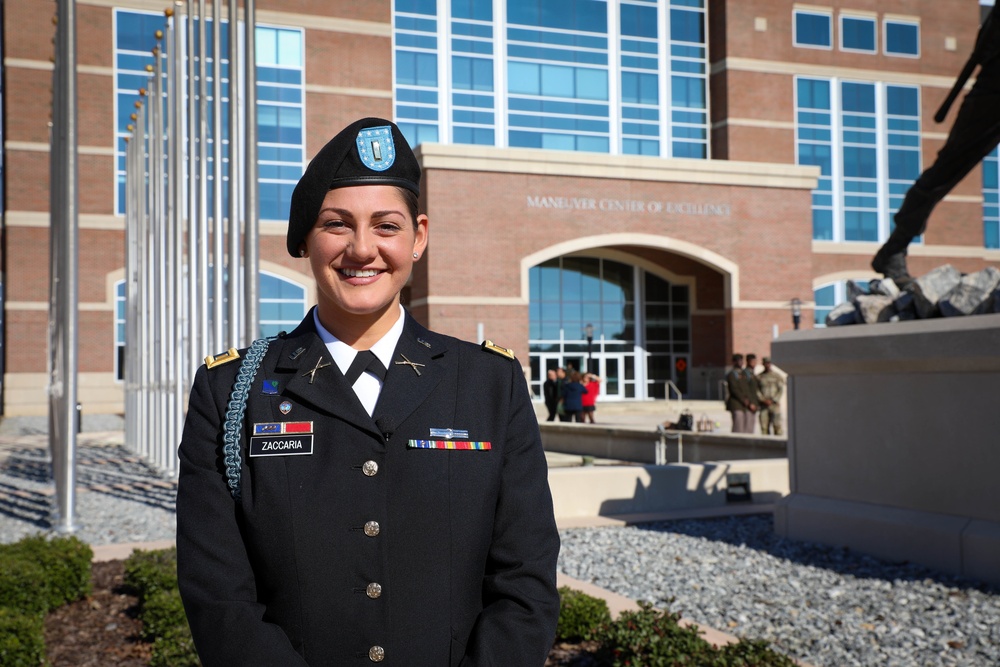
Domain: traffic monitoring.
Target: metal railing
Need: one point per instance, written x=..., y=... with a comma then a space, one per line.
x=669, y=385
x=660, y=455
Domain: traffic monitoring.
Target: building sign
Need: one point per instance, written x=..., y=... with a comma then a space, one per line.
x=630, y=206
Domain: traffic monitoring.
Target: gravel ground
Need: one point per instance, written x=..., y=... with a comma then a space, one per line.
x=119, y=498
x=827, y=606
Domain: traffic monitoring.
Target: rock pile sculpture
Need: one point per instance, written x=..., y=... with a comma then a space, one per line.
x=944, y=292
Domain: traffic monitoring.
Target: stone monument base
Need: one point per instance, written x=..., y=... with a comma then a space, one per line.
x=894, y=441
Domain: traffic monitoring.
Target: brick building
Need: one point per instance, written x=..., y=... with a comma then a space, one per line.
x=670, y=172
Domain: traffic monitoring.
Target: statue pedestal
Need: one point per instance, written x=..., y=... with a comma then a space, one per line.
x=894, y=441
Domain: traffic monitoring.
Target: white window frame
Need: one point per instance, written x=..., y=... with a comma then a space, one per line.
x=795, y=31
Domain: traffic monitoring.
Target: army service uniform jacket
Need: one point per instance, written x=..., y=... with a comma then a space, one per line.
x=371, y=548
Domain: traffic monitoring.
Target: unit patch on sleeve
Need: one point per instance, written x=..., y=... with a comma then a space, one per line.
x=281, y=439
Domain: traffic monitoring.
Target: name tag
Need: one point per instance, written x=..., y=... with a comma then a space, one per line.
x=449, y=444
x=281, y=445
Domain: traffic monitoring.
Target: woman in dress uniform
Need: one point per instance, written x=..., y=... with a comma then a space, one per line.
x=363, y=490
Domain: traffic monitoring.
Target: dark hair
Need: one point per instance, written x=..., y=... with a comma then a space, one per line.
x=737, y=357
x=410, y=199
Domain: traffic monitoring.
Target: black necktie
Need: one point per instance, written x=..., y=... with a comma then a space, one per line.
x=364, y=361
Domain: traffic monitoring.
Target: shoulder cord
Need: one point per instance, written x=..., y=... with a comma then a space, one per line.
x=235, y=410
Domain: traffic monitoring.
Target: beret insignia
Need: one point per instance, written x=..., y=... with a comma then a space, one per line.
x=375, y=147
x=490, y=346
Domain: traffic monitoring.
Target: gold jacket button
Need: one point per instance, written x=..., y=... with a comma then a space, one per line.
x=374, y=590
x=372, y=528
x=370, y=468
x=376, y=654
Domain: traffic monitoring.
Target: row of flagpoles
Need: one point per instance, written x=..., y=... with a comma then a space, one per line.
x=191, y=247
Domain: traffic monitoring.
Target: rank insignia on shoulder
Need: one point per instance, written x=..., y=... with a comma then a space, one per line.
x=224, y=358
x=490, y=346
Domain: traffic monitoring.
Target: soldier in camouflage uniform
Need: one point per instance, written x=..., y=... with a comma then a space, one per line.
x=770, y=387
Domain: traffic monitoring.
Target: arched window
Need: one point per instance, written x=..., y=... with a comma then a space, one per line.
x=639, y=326
x=282, y=304
x=830, y=295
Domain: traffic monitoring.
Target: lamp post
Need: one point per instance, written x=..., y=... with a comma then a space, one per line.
x=796, y=312
x=588, y=331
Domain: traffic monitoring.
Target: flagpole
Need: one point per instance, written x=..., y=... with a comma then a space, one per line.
x=251, y=245
x=64, y=281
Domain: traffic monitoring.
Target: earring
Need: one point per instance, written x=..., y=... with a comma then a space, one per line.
x=302, y=252
x=416, y=256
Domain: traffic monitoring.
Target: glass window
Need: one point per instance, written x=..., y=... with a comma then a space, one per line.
x=991, y=200
x=812, y=29
x=479, y=10
x=902, y=38
x=857, y=34
x=557, y=65
x=120, y=330
x=472, y=73
x=428, y=7
x=826, y=299
x=868, y=153
x=688, y=91
x=282, y=304
x=687, y=26
x=638, y=21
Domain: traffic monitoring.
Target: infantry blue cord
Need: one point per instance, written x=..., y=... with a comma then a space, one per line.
x=235, y=410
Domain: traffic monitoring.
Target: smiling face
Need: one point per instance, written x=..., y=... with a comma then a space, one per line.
x=361, y=254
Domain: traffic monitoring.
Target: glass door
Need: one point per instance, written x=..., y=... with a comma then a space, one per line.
x=611, y=368
x=540, y=366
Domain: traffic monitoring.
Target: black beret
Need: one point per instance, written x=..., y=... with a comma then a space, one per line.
x=371, y=151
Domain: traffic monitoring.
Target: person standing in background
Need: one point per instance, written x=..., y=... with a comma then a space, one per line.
x=770, y=387
x=550, y=392
x=573, y=392
x=738, y=399
x=593, y=385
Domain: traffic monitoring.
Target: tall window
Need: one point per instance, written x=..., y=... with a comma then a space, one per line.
x=280, y=140
x=865, y=137
x=282, y=304
x=279, y=93
x=120, y=330
x=991, y=200
x=812, y=29
x=550, y=75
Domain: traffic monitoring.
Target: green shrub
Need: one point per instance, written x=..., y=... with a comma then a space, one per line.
x=22, y=584
x=162, y=614
x=22, y=639
x=175, y=650
x=579, y=614
x=753, y=653
x=652, y=637
x=149, y=572
x=153, y=575
x=65, y=562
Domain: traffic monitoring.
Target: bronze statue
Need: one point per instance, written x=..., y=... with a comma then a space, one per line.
x=975, y=133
